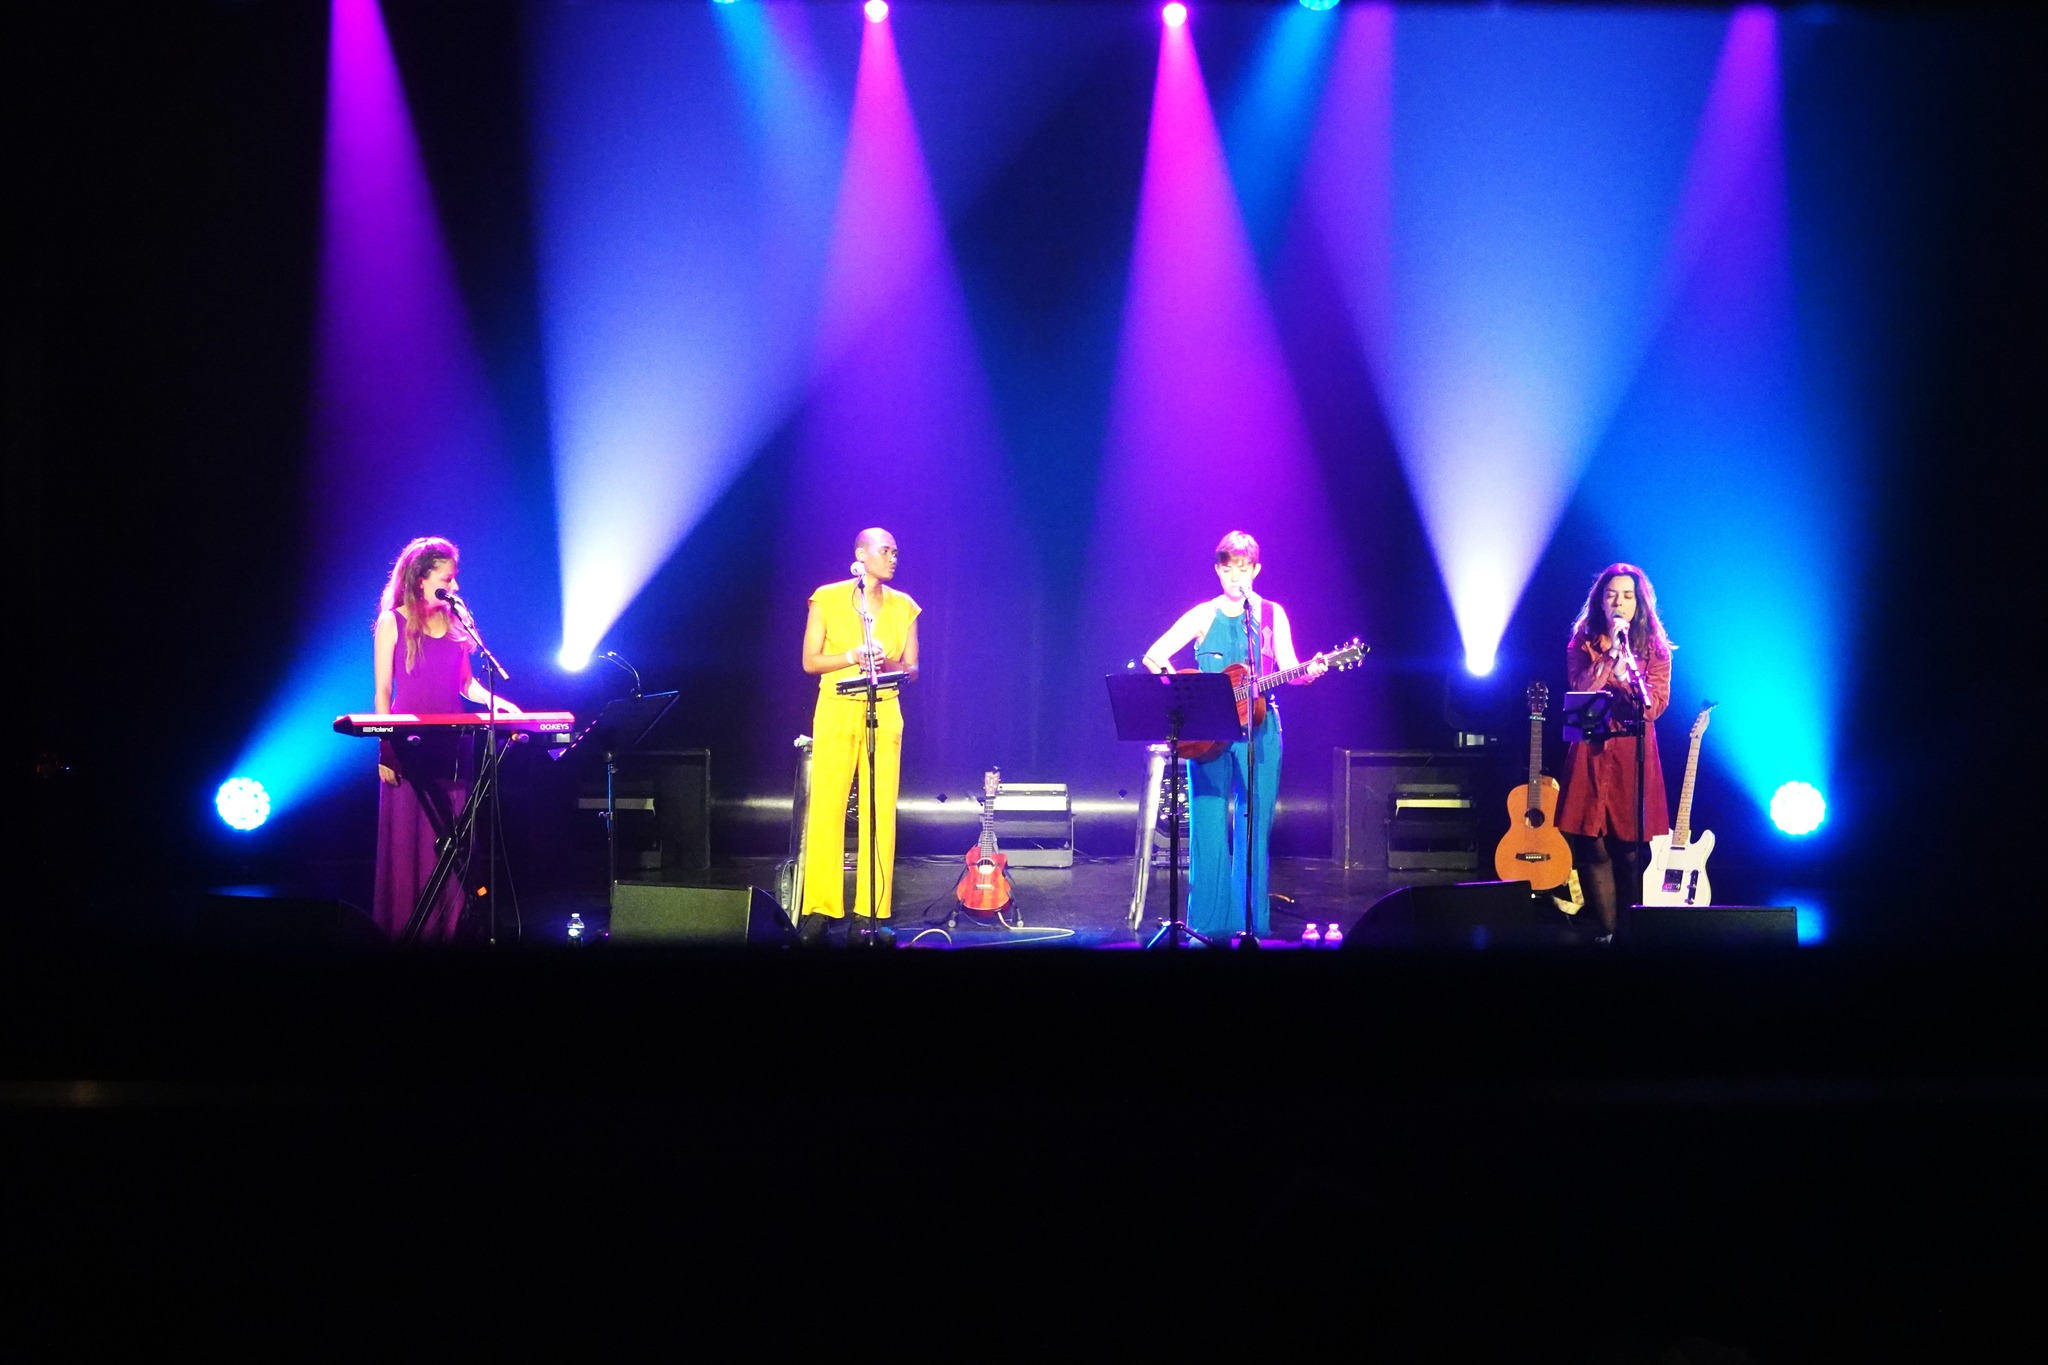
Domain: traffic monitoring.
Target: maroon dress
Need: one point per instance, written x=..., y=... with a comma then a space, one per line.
x=1600, y=774
x=433, y=784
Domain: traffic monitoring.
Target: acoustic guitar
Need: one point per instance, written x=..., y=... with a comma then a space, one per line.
x=1251, y=695
x=1677, y=872
x=984, y=887
x=1534, y=850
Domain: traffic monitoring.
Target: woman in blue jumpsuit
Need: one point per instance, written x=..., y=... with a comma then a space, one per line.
x=1236, y=626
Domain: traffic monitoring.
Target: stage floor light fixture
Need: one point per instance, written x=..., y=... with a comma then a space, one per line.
x=1798, y=808
x=242, y=803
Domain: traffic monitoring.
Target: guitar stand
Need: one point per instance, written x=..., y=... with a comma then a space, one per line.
x=1010, y=925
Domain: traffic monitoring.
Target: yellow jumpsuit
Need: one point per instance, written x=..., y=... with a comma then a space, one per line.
x=839, y=751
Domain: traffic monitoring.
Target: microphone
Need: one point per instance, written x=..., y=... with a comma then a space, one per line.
x=447, y=596
x=856, y=570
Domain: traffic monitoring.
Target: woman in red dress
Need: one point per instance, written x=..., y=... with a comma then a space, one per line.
x=1598, y=810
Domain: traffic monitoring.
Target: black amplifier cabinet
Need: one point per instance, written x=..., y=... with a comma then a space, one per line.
x=1417, y=815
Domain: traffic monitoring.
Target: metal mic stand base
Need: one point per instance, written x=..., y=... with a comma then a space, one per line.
x=869, y=934
x=1172, y=931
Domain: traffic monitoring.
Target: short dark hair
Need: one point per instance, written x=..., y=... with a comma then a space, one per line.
x=1236, y=545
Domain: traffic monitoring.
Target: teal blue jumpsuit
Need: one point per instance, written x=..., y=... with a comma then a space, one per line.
x=1216, y=801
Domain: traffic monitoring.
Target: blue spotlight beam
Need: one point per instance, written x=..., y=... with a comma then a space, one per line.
x=1267, y=126
x=1503, y=287
x=682, y=232
x=1713, y=477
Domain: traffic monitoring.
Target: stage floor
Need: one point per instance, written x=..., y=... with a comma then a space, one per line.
x=1083, y=906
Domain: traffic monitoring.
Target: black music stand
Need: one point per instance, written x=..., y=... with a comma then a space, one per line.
x=1608, y=715
x=620, y=728
x=1153, y=708
x=868, y=686
x=1587, y=716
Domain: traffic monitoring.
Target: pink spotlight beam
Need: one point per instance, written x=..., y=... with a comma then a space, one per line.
x=399, y=385
x=1205, y=430
x=886, y=229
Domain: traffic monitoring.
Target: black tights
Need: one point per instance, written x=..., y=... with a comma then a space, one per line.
x=1596, y=856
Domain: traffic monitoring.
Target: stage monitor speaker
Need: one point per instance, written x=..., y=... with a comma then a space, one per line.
x=1709, y=926
x=270, y=921
x=696, y=916
x=1462, y=915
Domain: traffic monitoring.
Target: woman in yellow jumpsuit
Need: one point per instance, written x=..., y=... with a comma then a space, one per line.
x=833, y=644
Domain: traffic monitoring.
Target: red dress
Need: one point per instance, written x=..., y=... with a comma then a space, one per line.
x=1600, y=774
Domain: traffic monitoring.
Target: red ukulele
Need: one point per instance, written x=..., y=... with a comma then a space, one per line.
x=1251, y=696
x=985, y=886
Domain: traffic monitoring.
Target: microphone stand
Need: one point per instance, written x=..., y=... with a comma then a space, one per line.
x=611, y=807
x=482, y=792
x=1632, y=677
x=870, y=933
x=1253, y=653
x=493, y=673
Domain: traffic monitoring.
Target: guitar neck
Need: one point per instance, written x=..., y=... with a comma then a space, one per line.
x=988, y=827
x=1535, y=761
x=1283, y=677
x=1681, y=833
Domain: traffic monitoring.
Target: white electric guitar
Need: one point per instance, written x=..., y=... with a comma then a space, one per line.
x=1677, y=874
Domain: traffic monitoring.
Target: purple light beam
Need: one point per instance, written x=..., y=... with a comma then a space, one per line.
x=404, y=436
x=1205, y=433
x=900, y=429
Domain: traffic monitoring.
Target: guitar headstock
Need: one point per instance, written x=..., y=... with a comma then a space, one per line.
x=991, y=783
x=1348, y=655
x=1539, y=699
x=1699, y=724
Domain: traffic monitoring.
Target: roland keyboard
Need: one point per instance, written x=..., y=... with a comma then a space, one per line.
x=552, y=723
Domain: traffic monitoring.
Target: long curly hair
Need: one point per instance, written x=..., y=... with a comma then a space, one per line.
x=1645, y=633
x=405, y=589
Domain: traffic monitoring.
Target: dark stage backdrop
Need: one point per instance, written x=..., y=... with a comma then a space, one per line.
x=160, y=396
